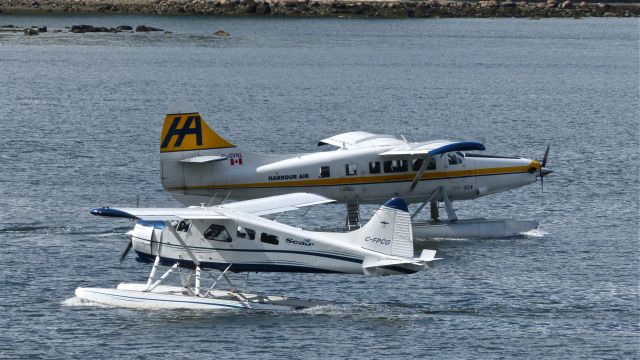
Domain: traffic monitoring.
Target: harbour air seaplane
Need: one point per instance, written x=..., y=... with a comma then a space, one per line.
x=236, y=237
x=200, y=166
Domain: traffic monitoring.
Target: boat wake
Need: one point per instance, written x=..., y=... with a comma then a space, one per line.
x=78, y=302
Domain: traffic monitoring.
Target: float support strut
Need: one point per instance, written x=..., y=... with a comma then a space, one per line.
x=430, y=199
x=451, y=212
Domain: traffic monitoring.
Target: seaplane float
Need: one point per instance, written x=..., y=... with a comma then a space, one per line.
x=199, y=242
x=200, y=166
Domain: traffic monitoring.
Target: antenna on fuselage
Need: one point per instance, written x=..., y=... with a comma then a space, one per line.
x=212, y=198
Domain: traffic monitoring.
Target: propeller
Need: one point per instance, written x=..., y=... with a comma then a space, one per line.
x=126, y=250
x=130, y=243
x=544, y=171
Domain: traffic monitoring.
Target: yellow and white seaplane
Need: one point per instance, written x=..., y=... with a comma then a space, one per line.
x=200, y=166
x=235, y=237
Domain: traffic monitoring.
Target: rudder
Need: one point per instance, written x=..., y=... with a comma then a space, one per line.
x=389, y=230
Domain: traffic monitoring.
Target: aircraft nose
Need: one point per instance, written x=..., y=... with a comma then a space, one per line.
x=545, y=171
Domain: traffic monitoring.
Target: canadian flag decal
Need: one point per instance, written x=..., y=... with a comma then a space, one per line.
x=236, y=161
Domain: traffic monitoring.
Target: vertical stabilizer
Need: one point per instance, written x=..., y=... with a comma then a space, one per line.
x=389, y=230
x=188, y=147
x=188, y=132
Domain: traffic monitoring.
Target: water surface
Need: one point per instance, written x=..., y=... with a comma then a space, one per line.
x=81, y=117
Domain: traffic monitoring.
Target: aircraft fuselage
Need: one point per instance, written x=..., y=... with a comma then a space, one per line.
x=346, y=175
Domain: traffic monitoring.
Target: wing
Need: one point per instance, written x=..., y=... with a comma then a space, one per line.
x=261, y=206
x=152, y=214
x=435, y=147
x=276, y=204
x=360, y=139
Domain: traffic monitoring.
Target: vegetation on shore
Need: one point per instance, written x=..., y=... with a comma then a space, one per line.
x=364, y=9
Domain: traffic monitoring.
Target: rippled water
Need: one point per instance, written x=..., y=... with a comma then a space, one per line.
x=80, y=123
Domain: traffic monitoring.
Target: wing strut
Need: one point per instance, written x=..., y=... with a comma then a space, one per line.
x=192, y=256
x=420, y=172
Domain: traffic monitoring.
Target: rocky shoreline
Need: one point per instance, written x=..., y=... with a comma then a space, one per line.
x=324, y=8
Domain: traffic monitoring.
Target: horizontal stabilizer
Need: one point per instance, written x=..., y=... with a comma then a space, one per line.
x=392, y=266
x=428, y=255
x=432, y=148
x=369, y=263
x=203, y=159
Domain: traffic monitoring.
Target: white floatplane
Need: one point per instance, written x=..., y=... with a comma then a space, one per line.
x=200, y=166
x=235, y=237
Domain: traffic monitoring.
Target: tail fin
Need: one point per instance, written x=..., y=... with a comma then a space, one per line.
x=185, y=130
x=389, y=230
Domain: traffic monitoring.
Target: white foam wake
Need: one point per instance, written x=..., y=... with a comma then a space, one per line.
x=78, y=302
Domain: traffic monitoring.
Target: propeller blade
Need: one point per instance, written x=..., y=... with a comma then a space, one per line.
x=546, y=155
x=543, y=163
x=126, y=250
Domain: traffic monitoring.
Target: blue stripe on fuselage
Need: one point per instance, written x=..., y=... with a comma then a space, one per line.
x=236, y=267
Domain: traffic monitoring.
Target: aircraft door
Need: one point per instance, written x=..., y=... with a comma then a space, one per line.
x=461, y=180
x=351, y=192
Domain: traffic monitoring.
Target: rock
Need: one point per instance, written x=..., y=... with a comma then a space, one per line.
x=221, y=33
x=80, y=29
x=508, y=4
x=144, y=28
x=583, y=5
x=551, y=2
x=566, y=5
x=124, y=28
x=431, y=3
x=30, y=31
x=42, y=29
x=489, y=4
x=603, y=6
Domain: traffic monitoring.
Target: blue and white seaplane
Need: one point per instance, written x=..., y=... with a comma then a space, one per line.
x=199, y=166
x=235, y=237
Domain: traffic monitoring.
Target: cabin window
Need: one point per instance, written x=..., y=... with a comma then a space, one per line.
x=351, y=169
x=453, y=159
x=269, y=239
x=183, y=226
x=417, y=163
x=374, y=167
x=242, y=233
x=217, y=232
x=393, y=166
x=325, y=171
